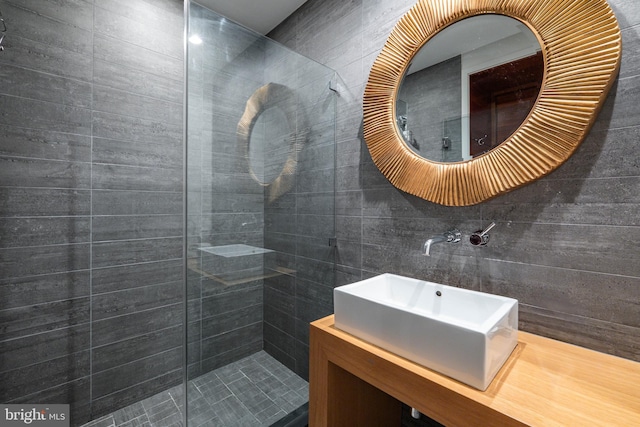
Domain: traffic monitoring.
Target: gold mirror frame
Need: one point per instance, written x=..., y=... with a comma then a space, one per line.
x=581, y=45
x=265, y=97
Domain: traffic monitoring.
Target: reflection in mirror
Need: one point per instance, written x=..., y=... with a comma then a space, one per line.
x=269, y=145
x=271, y=132
x=469, y=88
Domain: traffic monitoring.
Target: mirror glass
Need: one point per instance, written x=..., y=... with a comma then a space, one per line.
x=269, y=145
x=469, y=88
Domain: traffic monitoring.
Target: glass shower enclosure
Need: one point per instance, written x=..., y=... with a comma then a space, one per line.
x=260, y=215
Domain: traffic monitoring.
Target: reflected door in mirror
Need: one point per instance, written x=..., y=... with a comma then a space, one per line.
x=500, y=99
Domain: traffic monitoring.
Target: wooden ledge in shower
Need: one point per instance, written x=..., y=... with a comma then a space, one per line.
x=231, y=280
x=544, y=382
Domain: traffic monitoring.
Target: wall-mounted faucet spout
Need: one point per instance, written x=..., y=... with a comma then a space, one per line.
x=451, y=236
x=433, y=241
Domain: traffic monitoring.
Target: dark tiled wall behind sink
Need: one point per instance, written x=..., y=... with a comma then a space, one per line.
x=90, y=202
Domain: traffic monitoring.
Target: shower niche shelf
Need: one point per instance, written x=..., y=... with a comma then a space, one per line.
x=236, y=264
x=235, y=250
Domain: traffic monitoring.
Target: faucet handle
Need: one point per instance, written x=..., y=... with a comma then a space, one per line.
x=481, y=237
x=486, y=230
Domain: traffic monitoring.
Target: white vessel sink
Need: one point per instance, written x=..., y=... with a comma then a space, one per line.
x=463, y=334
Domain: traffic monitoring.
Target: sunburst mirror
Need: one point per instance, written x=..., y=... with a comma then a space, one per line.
x=486, y=137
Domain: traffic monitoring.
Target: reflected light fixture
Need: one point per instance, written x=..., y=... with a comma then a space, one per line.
x=195, y=39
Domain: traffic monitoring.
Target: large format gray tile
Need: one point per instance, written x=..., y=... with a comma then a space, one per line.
x=135, y=300
x=315, y=204
x=77, y=13
x=137, y=129
x=125, y=326
x=389, y=202
x=608, y=337
x=118, y=76
x=315, y=226
x=138, y=275
x=34, y=114
x=278, y=300
x=137, y=58
x=44, y=144
x=129, y=153
x=127, y=396
x=279, y=339
x=574, y=292
x=277, y=319
x=602, y=154
x=229, y=222
x=567, y=246
x=116, y=177
x=210, y=362
x=231, y=300
x=165, y=14
x=32, y=290
x=41, y=28
x=55, y=374
x=25, y=172
x=307, y=312
x=229, y=340
x=16, y=202
x=135, y=29
x=106, y=228
x=136, y=373
x=135, y=202
x=620, y=109
x=115, y=354
x=39, y=318
x=216, y=325
x=631, y=43
x=108, y=254
x=41, y=231
x=25, y=351
x=25, y=83
x=47, y=58
x=109, y=100
x=314, y=270
x=44, y=260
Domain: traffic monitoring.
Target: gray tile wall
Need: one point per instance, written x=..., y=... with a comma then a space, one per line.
x=565, y=246
x=90, y=202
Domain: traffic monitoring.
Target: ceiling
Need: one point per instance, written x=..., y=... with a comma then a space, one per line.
x=259, y=15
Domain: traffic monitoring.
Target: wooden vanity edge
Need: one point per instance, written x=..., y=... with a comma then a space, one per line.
x=544, y=382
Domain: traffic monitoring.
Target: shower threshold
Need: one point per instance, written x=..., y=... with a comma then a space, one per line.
x=254, y=391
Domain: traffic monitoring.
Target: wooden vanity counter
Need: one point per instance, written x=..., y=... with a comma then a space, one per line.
x=543, y=383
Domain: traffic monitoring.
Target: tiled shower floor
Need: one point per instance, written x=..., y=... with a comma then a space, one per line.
x=254, y=391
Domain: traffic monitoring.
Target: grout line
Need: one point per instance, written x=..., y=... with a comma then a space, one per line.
x=133, y=337
x=93, y=40
x=68, y=356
